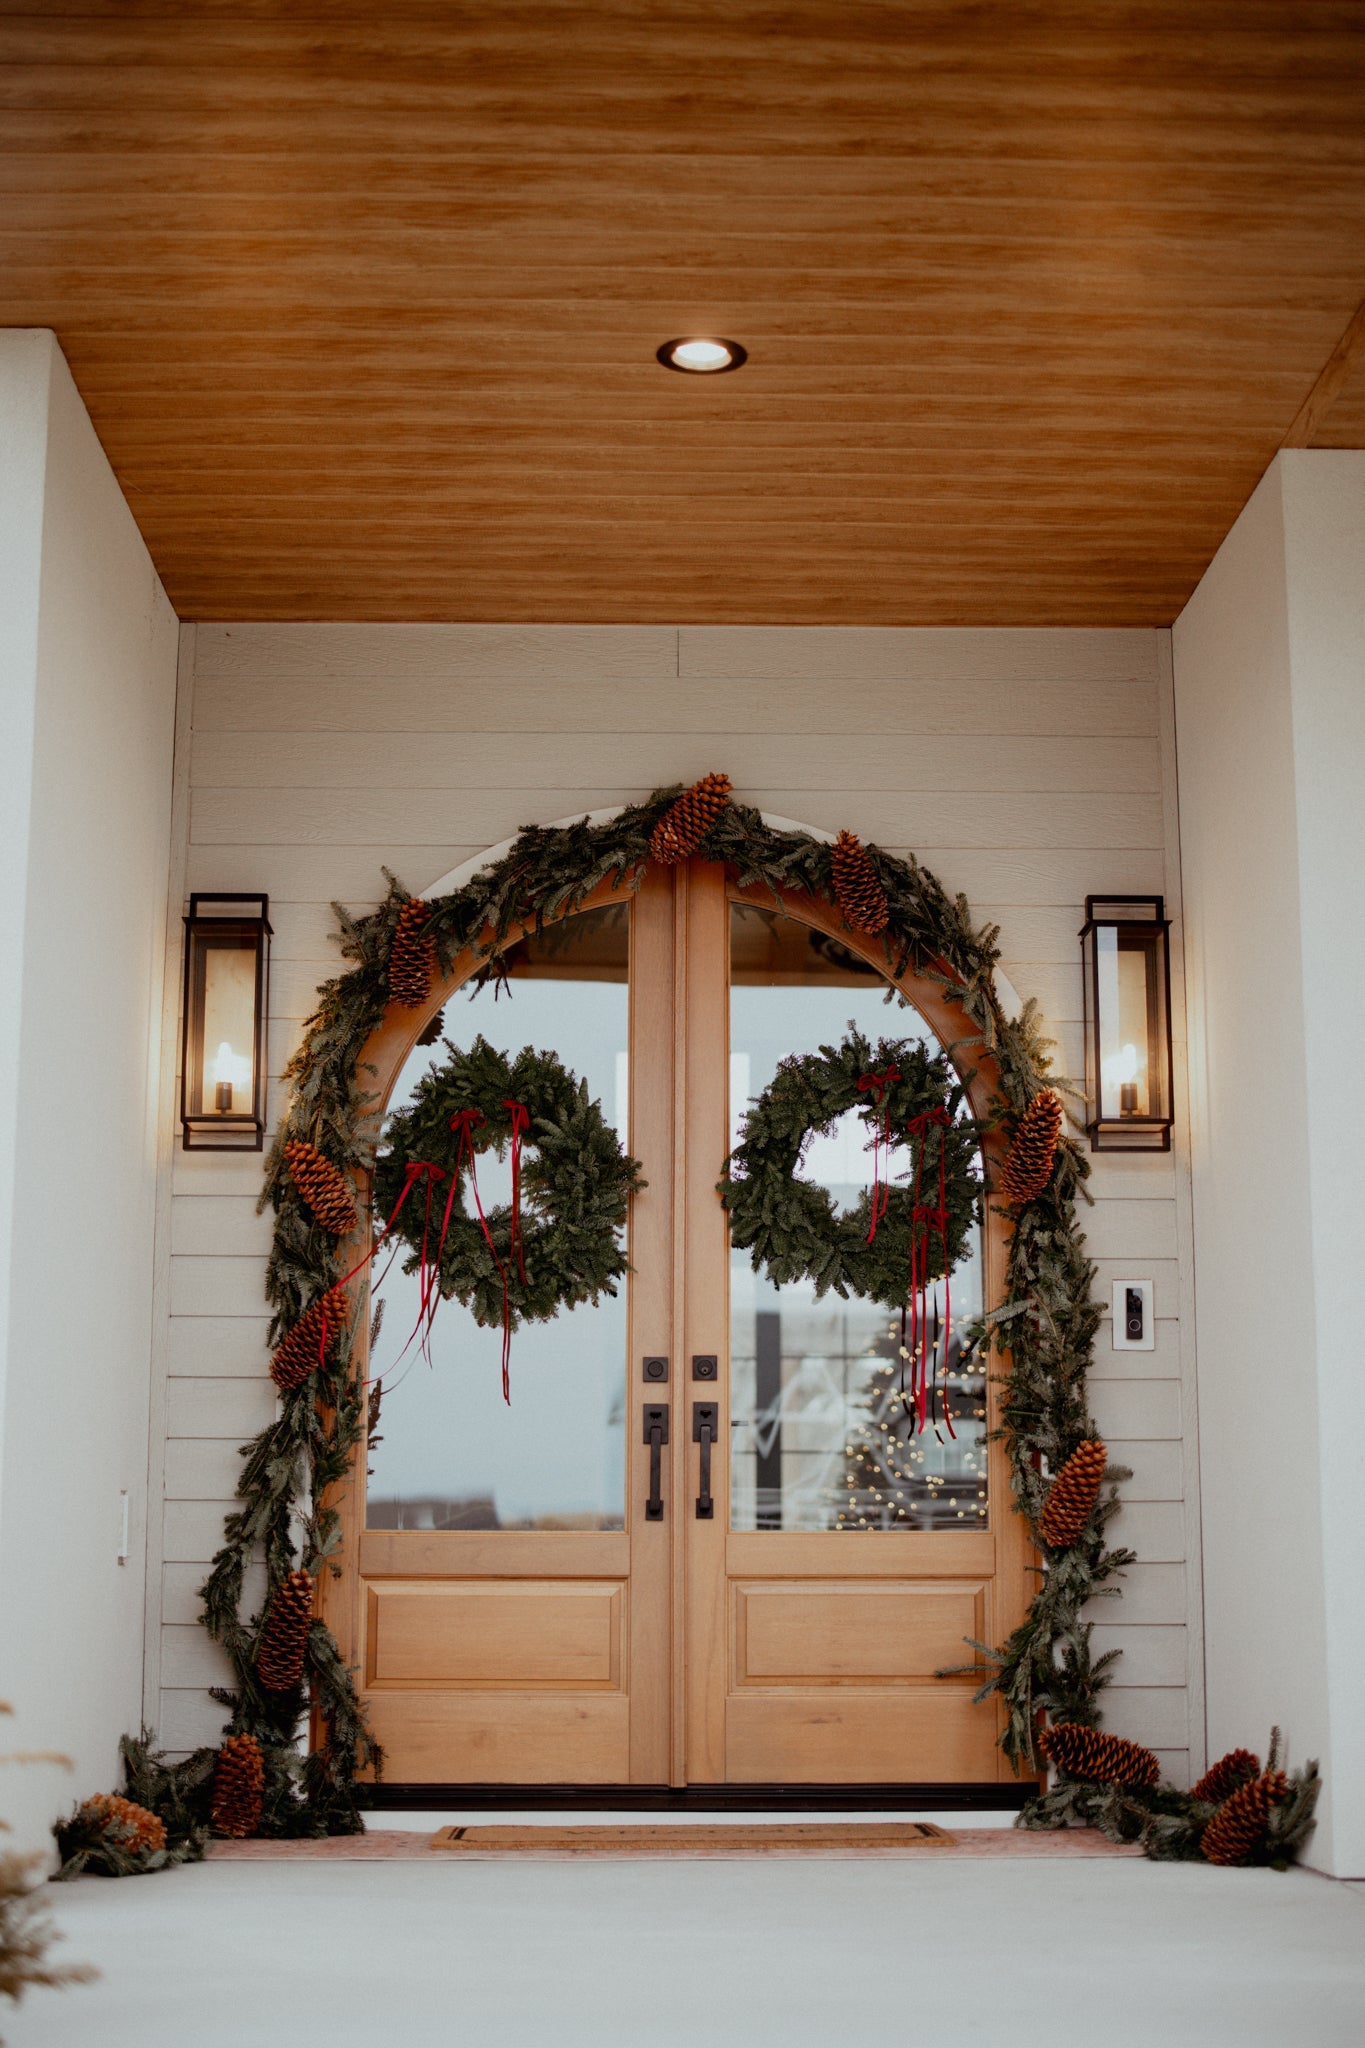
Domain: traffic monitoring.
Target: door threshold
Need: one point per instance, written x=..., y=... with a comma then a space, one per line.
x=701, y=1798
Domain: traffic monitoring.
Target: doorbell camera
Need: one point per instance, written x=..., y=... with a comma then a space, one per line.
x=1134, y=1320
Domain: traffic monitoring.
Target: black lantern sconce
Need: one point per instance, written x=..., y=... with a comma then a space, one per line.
x=222, y=1047
x=1126, y=955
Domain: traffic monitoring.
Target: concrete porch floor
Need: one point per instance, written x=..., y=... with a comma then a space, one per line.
x=338, y=1955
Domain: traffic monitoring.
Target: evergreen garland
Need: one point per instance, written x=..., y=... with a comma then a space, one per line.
x=283, y=1515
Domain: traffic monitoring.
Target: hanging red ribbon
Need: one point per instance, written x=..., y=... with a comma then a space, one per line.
x=876, y=1084
x=520, y=1118
x=924, y=1221
x=415, y=1169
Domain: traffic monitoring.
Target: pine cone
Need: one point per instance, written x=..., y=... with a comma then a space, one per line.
x=1237, y=1832
x=238, y=1787
x=1028, y=1169
x=859, y=894
x=1072, y=1495
x=1102, y=1759
x=322, y=1187
x=284, y=1634
x=687, y=821
x=126, y=1824
x=304, y=1348
x=1227, y=1776
x=412, y=959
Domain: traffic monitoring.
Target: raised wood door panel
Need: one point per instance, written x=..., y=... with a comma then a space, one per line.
x=680, y=1650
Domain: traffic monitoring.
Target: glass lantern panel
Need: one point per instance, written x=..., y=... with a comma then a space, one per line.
x=224, y=1042
x=1129, y=1072
x=449, y=1453
x=821, y=1437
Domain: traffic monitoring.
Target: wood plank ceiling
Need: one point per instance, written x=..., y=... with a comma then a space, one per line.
x=364, y=298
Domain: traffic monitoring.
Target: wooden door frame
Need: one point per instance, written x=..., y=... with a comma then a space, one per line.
x=680, y=922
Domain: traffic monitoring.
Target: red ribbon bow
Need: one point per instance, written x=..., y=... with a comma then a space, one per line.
x=877, y=1084
x=924, y=1221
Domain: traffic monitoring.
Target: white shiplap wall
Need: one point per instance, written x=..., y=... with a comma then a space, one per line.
x=1026, y=768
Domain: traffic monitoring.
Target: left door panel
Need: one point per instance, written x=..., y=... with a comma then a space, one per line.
x=503, y=1595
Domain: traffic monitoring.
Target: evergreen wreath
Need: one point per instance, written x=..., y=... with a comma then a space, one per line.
x=285, y=1514
x=575, y=1189
x=791, y=1225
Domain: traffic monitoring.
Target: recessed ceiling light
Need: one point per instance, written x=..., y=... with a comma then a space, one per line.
x=705, y=358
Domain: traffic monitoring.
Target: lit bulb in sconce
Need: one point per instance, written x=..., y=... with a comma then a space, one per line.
x=230, y=1069
x=1121, y=1071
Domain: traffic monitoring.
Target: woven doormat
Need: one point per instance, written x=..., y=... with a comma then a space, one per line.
x=796, y=1838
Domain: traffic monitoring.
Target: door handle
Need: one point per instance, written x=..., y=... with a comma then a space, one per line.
x=656, y=1436
x=705, y=1423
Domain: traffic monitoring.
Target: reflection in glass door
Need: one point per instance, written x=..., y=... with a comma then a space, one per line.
x=449, y=1454
x=821, y=1436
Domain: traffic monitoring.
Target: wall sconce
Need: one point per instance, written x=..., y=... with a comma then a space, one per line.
x=1126, y=956
x=222, y=1047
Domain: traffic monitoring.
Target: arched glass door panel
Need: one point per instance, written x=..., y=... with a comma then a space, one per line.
x=449, y=1454
x=822, y=1438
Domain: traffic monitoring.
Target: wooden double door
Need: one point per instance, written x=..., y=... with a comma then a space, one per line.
x=703, y=1546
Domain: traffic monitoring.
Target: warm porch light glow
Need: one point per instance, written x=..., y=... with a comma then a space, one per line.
x=701, y=356
x=222, y=1090
x=1125, y=953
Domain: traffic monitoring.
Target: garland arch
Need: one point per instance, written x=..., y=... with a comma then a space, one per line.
x=1041, y=1335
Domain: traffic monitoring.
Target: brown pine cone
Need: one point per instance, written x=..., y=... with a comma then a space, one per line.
x=1227, y=1776
x=125, y=1823
x=687, y=821
x=1028, y=1169
x=322, y=1187
x=1102, y=1759
x=1237, y=1832
x=302, y=1350
x=1072, y=1495
x=238, y=1787
x=859, y=894
x=412, y=959
x=284, y=1634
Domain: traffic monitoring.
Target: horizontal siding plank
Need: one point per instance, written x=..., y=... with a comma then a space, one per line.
x=193, y=1530
x=180, y=1585
x=217, y=1173
x=212, y=1347
x=866, y=760
x=1127, y=1411
x=1175, y=1768
x=566, y=655
x=1157, y=1468
x=1148, y=1656
x=1156, y=1716
x=1028, y=876
x=190, y=1720
x=190, y=1657
x=1055, y=989
x=201, y=1468
x=894, y=653
x=1163, y=1362
x=1131, y=1177
x=231, y=1408
x=1118, y=1229
x=446, y=700
x=1147, y=1593
x=368, y=816
x=217, y=1286
x=1153, y=1530
x=219, y=1226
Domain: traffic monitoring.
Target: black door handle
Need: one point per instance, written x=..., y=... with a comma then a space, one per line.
x=656, y=1436
x=705, y=1423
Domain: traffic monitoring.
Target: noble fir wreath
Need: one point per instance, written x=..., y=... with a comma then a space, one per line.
x=791, y=1225
x=559, y=1241
x=285, y=1662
